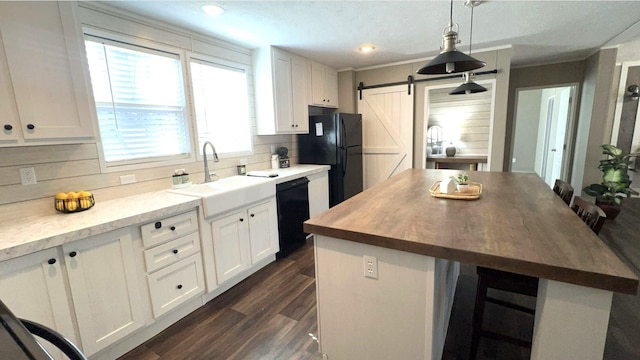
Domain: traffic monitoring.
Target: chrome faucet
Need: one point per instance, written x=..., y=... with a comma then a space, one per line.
x=207, y=174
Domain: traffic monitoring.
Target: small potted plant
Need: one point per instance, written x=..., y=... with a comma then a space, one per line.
x=283, y=153
x=615, y=181
x=462, y=182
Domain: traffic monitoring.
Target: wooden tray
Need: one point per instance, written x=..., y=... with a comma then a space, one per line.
x=475, y=189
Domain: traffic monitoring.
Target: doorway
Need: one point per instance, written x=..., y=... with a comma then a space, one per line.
x=544, y=123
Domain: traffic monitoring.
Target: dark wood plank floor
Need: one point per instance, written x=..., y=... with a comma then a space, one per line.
x=270, y=315
x=267, y=316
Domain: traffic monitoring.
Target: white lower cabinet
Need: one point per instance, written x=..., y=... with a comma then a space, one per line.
x=243, y=238
x=175, y=284
x=318, y=193
x=173, y=261
x=33, y=288
x=104, y=287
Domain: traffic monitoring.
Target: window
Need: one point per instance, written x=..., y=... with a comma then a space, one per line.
x=221, y=104
x=140, y=102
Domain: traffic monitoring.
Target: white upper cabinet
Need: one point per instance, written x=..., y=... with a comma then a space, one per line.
x=324, y=86
x=281, y=84
x=44, y=86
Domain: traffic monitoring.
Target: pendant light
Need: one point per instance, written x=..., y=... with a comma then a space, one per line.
x=450, y=60
x=469, y=86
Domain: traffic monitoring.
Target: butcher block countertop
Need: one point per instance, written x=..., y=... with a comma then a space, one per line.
x=518, y=224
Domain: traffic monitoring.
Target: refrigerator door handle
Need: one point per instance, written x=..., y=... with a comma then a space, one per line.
x=344, y=146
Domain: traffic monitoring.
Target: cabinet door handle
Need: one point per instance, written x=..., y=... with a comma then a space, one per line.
x=175, y=251
x=8, y=127
x=173, y=228
x=179, y=286
x=253, y=215
x=158, y=224
x=241, y=219
x=73, y=254
x=51, y=261
x=31, y=126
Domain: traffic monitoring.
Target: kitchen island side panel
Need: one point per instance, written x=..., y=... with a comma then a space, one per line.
x=403, y=314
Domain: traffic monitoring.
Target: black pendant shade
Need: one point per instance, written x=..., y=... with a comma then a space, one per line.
x=451, y=62
x=468, y=87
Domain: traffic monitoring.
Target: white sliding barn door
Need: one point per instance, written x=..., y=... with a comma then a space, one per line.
x=387, y=132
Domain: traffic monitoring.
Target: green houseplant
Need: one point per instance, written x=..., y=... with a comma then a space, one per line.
x=462, y=181
x=615, y=180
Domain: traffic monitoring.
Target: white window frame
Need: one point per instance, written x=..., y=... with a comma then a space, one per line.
x=161, y=161
x=225, y=63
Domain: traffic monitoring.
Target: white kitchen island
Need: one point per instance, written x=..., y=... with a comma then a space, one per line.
x=517, y=225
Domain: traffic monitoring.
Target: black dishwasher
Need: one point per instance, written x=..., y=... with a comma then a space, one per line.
x=293, y=209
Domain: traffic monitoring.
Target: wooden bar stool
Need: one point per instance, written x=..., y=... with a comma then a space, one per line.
x=564, y=190
x=505, y=281
x=488, y=278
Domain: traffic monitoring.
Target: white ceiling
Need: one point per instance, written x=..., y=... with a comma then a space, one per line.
x=330, y=32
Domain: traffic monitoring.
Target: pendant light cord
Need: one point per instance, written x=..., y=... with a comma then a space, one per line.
x=471, y=31
x=451, y=14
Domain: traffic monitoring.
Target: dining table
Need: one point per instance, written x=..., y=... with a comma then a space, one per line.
x=387, y=261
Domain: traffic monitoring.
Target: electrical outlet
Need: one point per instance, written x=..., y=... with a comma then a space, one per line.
x=513, y=160
x=28, y=176
x=127, y=179
x=370, y=267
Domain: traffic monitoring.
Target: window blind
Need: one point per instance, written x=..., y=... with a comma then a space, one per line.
x=221, y=104
x=139, y=101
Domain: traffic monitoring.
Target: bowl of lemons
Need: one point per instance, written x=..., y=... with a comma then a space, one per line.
x=73, y=201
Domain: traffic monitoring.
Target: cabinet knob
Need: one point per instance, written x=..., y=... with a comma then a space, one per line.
x=51, y=261
x=175, y=251
x=296, y=125
x=73, y=254
x=241, y=219
x=8, y=127
x=293, y=125
x=31, y=126
x=179, y=286
x=173, y=228
x=252, y=215
x=158, y=224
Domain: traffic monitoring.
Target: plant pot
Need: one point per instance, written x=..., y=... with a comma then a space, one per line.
x=463, y=188
x=610, y=208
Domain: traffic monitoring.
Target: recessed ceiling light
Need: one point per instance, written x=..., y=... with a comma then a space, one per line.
x=365, y=49
x=212, y=10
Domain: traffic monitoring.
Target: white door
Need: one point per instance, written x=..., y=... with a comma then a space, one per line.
x=555, y=108
x=387, y=132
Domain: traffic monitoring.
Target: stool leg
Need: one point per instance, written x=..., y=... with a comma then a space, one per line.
x=478, y=315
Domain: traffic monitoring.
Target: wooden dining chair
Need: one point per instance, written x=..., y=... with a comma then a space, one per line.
x=590, y=213
x=564, y=190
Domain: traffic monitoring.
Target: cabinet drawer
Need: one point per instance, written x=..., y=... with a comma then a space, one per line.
x=166, y=254
x=170, y=228
x=176, y=284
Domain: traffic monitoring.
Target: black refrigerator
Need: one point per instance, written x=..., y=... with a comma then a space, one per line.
x=335, y=140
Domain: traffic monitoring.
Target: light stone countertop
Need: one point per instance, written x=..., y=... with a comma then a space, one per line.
x=31, y=234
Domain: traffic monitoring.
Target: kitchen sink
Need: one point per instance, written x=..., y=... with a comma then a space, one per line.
x=229, y=193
